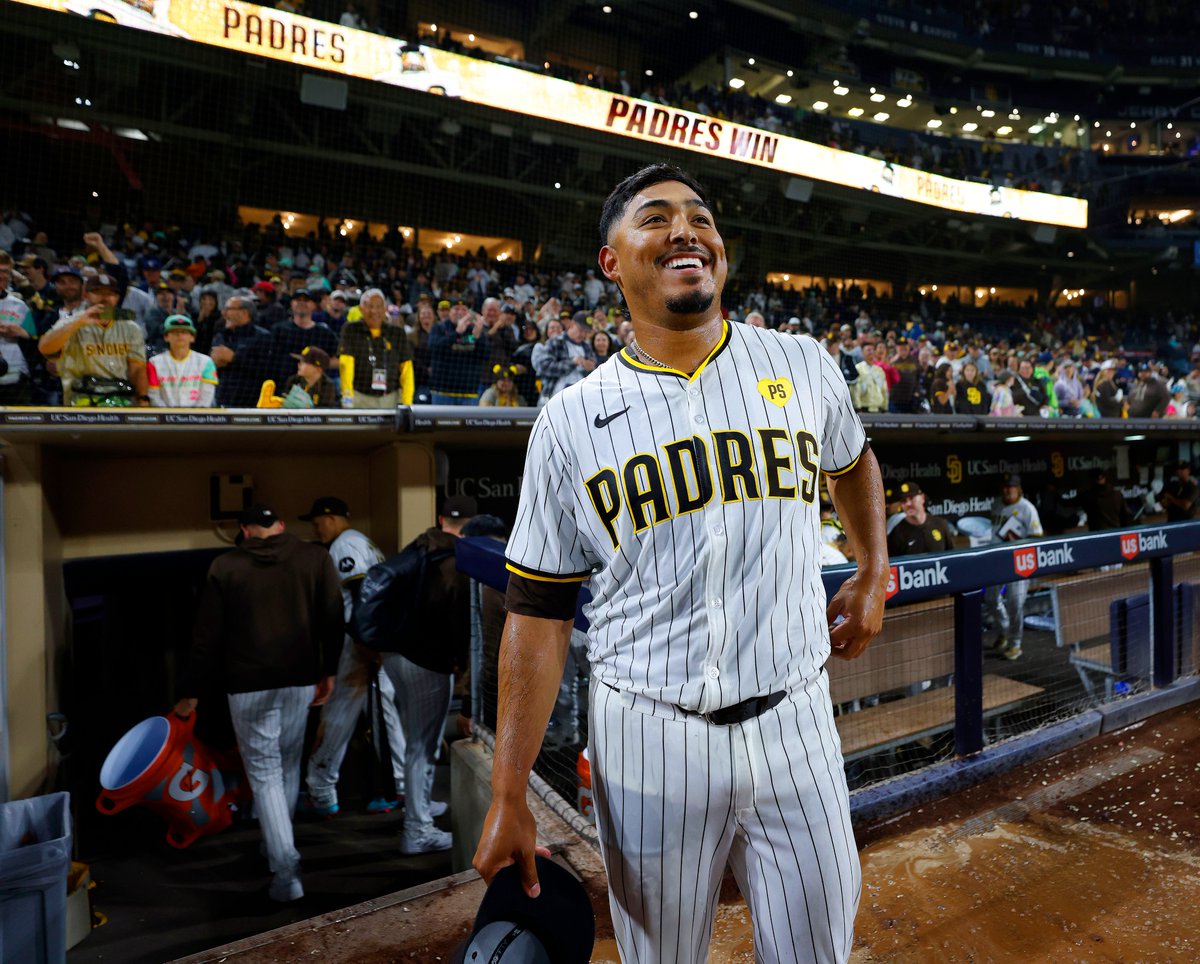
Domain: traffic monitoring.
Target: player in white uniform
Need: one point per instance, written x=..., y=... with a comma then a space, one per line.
x=1015, y=517
x=684, y=480
x=353, y=554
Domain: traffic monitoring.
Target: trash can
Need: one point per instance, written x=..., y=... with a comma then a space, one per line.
x=35, y=855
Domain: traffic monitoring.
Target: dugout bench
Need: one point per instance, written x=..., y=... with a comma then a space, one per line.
x=915, y=645
x=1103, y=618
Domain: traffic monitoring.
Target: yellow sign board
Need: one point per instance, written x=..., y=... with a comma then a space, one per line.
x=266, y=32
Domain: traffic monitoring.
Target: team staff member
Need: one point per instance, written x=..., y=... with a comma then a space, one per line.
x=375, y=358
x=423, y=675
x=918, y=531
x=268, y=632
x=1179, y=495
x=1015, y=518
x=352, y=554
x=712, y=739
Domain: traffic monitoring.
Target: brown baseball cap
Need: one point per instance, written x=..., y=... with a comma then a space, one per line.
x=314, y=356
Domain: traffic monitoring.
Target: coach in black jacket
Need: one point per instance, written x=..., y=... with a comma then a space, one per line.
x=269, y=632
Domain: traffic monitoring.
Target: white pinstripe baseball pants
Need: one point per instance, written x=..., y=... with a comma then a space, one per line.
x=270, y=732
x=423, y=698
x=338, y=719
x=677, y=798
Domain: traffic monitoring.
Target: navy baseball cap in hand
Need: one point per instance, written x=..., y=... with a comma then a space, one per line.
x=514, y=928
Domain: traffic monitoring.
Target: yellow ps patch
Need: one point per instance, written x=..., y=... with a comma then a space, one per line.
x=777, y=391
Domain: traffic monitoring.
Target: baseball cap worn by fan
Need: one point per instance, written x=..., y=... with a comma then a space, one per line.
x=909, y=488
x=326, y=505
x=314, y=356
x=1012, y=480
x=178, y=323
x=513, y=928
x=460, y=507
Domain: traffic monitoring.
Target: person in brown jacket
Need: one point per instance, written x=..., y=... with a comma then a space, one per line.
x=269, y=633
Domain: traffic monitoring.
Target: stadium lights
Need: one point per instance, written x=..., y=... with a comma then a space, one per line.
x=750, y=61
x=1076, y=118
x=905, y=101
x=693, y=15
x=953, y=110
x=840, y=90
x=1003, y=131
x=934, y=123
x=991, y=291
x=877, y=98
x=606, y=8
x=1107, y=148
x=787, y=99
x=988, y=113
x=882, y=116
x=1132, y=125
x=1017, y=438
x=1108, y=133
x=433, y=27
x=972, y=126
x=736, y=83
x=1036, y=128
x=1135, y=438
x=1169, y=125
x=791, y=73
x=817, y=104
x=855, y=112
x=1096, y=124
x=95, y=194
x=558, y=185
x=502, y=256
x=649, y=73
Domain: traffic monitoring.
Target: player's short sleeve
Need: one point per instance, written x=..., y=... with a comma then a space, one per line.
x=352, y=555
x=209, y=375
x=1034, y=521
x=843, y=438
x=546, y=543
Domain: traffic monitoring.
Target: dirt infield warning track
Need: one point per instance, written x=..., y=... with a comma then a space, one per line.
x=1091, y=855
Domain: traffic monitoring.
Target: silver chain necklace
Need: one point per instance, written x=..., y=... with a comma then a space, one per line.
x=633, y=343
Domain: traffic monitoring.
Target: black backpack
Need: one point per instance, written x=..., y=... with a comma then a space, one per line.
x=392, y=600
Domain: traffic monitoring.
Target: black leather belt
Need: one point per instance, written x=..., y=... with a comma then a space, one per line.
x=729, y=715
x=740, y=712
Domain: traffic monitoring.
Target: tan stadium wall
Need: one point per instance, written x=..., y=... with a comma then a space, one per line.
x=65, y=502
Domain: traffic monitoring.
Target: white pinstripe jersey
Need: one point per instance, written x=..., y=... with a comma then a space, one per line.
x=353, y=554
x=693, y=505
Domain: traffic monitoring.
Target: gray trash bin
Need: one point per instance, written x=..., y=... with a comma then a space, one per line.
x=35, y=856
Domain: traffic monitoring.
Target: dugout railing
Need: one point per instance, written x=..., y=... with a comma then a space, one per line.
x=1111, y=635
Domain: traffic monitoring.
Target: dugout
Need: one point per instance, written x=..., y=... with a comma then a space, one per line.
x=134, y=500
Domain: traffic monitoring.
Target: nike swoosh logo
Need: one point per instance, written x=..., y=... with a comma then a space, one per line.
x=601, y=422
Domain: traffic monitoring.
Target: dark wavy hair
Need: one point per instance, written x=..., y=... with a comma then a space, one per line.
x=616, y=203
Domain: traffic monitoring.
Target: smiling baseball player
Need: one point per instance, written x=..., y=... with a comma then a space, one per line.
x=684, y=480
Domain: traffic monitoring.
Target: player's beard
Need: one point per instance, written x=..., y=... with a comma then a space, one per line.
x=691, y=303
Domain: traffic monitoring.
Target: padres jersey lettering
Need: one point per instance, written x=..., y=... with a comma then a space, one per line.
x=646, y=505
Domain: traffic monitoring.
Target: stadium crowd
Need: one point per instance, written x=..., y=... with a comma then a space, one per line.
x=158, y=316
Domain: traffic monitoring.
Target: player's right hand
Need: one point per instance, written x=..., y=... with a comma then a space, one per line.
x=509, y=837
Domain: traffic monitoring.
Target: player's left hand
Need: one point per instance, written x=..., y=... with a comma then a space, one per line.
x=860, y=604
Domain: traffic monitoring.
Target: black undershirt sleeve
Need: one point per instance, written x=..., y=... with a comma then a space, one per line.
x=536, y=597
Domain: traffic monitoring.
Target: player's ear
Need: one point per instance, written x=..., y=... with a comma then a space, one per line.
x=609, y=263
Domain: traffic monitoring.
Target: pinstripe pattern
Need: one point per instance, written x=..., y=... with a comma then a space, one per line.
x=270, y=732
x=352, y=554
x=677, y=799
x=423, y=698
x=339, y=716
x=714, y=597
